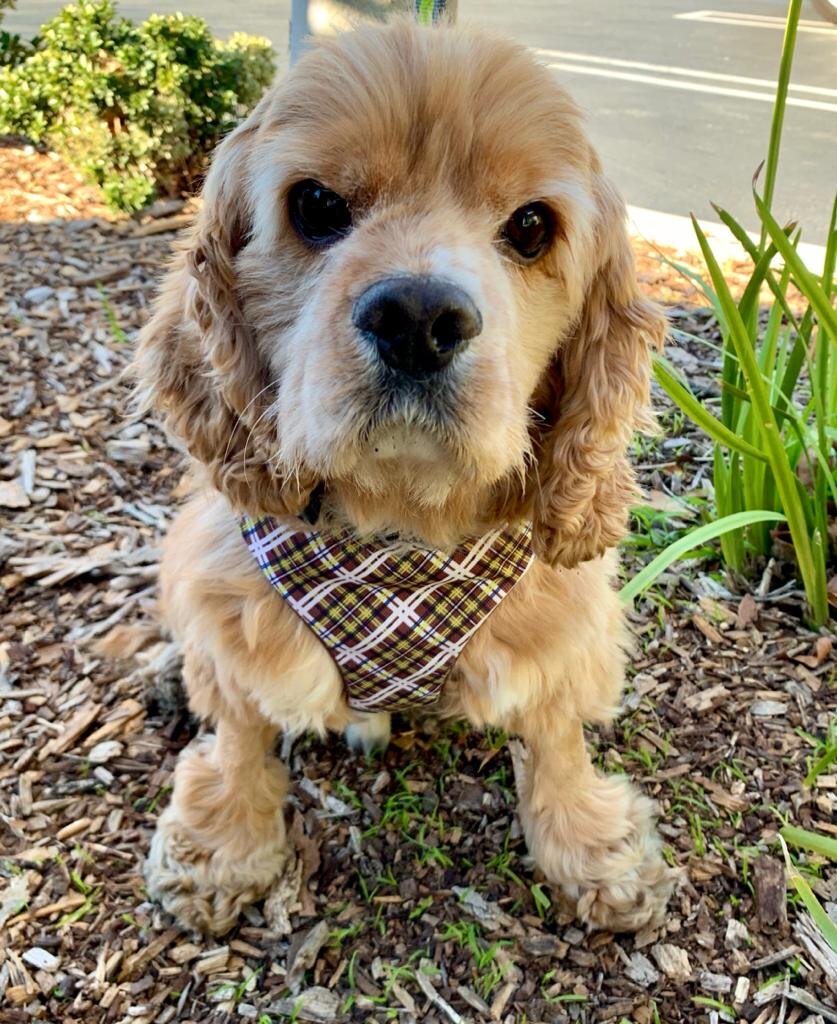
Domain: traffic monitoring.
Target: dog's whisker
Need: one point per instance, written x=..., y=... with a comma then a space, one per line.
x=269, y=410
x=239, y=419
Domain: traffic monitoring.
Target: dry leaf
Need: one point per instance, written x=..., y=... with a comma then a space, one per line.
x=748, y=612
x=822, y=649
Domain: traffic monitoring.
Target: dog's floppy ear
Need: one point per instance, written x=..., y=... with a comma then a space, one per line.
x=197, y=362
x=599, y=394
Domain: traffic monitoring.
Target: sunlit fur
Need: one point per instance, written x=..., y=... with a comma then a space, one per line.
x=434, y=137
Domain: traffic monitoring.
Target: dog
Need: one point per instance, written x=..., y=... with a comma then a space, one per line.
x=404, y=326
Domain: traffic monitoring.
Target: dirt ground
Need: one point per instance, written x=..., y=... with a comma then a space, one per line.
x=417, y=902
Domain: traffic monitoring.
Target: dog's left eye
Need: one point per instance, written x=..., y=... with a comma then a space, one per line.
x=529, y=230
x=318, y=214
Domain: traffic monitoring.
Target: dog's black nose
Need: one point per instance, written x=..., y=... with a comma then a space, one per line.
x=417, y=324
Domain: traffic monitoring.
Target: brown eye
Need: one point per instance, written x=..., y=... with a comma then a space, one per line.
x=318, y=214
x=529, y=230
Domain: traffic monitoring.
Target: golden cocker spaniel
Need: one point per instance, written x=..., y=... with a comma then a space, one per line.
x=406, y=317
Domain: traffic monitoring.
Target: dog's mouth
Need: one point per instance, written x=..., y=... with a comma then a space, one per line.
x=414, y=410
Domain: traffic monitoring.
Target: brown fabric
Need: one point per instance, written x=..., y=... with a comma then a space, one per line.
x=394, y=616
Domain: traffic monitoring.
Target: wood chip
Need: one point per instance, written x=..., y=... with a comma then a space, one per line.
x=314, y=1004
x=489, y=915
x=707, y=700
x=771, y=892
x=41, y=959
x=69, y=735
x=803, y=998
x=707, y=629
x=737, y=935
x=748, y=612
x=673, y=961
x=306, y=955
x=214, y=961
x=426, y=968
x=641, y=970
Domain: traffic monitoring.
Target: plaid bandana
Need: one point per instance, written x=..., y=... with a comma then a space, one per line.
x=394, y=616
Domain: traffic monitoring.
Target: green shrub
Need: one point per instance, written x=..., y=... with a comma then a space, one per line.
x=138, y=108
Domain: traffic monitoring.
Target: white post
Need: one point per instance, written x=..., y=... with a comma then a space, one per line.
x=299, y=29
x=426, y=11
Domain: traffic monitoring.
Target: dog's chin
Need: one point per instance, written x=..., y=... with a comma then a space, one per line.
x=399, y=443
x=412, y=462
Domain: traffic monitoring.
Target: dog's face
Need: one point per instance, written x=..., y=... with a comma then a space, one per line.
x=411, y=282
x=418, y=210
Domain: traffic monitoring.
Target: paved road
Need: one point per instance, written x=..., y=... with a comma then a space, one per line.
x=678, y=106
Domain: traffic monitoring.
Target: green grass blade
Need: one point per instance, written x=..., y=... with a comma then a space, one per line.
x=781, y=414
x=738, y=232
x=806, y=281
x=724, y=477
x=761, y=273
x=830, y=252
x=696, y=411
x=826, y=926
x=748, y=303
x=813, y=841
x=795, y=361
x=782, y=83
x=813, y=574
x=812, y=904
x=766, y=354
x=822, y=764
x=693, y=539
x=695, y=278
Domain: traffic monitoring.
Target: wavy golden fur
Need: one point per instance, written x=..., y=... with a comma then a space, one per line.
x=434, y=137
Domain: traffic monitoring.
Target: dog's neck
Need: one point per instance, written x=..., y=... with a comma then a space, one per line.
x=465, y=513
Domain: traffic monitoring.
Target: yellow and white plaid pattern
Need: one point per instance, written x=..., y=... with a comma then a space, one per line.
x=394, y=616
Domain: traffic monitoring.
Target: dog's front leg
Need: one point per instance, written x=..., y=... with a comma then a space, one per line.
x=591, y=834
x=220, y=843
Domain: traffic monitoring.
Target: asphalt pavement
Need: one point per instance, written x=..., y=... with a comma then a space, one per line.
x=678, y=97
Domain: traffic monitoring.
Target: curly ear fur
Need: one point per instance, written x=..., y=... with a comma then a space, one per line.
x=600, y=389
x=197, y=362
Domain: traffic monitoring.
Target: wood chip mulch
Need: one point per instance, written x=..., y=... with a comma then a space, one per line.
x=421, y=906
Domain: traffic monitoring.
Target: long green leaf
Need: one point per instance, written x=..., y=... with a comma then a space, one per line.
x=813, y=905
x=795, y=360
x=830, y=251
x=814, y=841
x=813, y=574
x=761, y=273
x=724, y=477
x=679, y=393
x=807, y=282
x=693, y=539
x=782, y=83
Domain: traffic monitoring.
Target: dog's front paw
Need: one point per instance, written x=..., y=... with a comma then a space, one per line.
x=603, y=851
x=205, y=889
x=626, y=883
x=630, y=885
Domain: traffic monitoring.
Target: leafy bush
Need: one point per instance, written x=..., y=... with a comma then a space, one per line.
x=138, y=108
x=775, y=425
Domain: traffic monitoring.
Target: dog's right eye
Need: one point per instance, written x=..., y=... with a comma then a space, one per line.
x=318, y=214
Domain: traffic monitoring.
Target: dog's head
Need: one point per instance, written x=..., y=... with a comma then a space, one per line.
x=411, y=282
